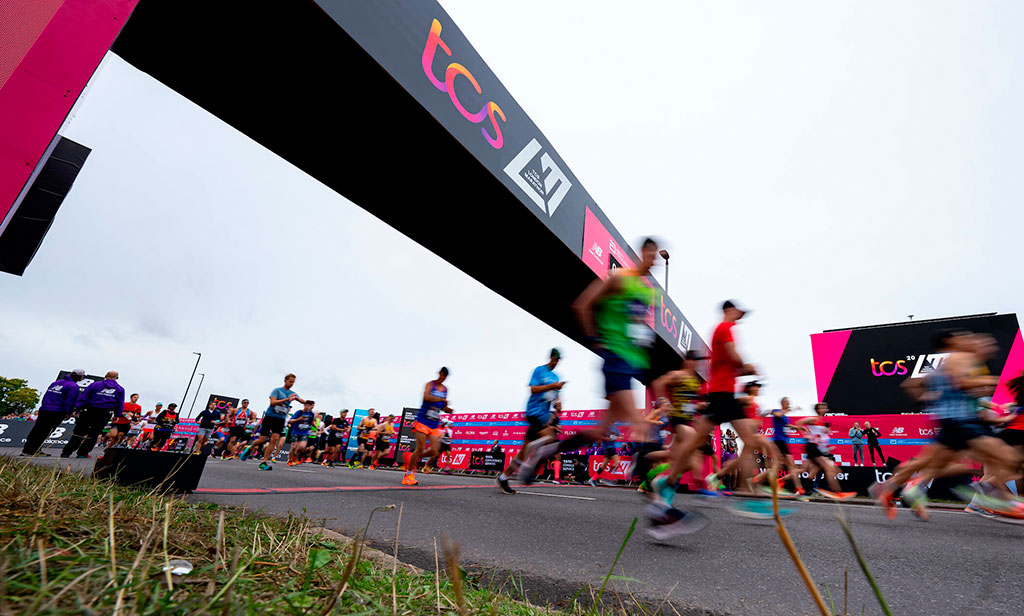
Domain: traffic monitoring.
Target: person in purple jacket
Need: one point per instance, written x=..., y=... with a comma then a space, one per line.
x=95, y=406
x=58, y=403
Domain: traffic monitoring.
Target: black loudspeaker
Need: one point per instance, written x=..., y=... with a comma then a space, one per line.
x=30, y=220
x=891, y=464
x=168, y=472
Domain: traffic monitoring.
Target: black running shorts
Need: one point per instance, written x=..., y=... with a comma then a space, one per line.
x=724, y=407
x=956, y=434
x=1014, y=438
x=534, y=426
x=271, y=425
x=783, y=447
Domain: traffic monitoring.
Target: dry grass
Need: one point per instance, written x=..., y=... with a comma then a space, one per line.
x=74, y=545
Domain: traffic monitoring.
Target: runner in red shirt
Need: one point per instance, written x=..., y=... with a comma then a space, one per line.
x=121, y=424
x=726, y=366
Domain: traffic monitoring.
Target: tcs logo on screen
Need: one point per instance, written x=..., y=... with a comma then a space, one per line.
x=888, y=368
x=489, y=110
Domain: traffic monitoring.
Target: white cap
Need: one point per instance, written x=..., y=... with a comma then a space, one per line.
x=78, y=371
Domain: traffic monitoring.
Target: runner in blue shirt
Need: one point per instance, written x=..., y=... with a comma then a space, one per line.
x=298, y=432
x=544, y=388
x=272, y=426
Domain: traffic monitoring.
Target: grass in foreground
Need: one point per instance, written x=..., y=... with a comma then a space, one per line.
x=74, y=545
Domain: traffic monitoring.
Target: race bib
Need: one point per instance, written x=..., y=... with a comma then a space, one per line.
x=640, y=334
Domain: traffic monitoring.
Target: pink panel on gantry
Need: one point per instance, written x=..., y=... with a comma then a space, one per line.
x=48, y=51
x=827, y=349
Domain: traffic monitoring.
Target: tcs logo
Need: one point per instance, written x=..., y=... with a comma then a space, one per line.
x=888, y=368
x=489, y=110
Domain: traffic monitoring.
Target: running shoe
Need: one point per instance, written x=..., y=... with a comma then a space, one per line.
x=265, y=467
x=915, y=498
x=244, y=455
x=837, y=496
x=325, y=463
x=713, y=483
x=664, y=491
x=308, y=461
x=972, y=508
x=426, y=470
x=409, y=480
x=83, y=455
x=554, y=481
x=884, y=498
x=290, y=463
x=592, y=482
x=503, y=484
x=677, y=523
x=65, y=455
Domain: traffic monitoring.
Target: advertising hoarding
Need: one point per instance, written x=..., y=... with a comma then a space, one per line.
x=859, y=371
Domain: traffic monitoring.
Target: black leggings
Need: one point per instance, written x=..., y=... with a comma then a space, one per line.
x=88, y=427
x=159, y=439
x=872, y=447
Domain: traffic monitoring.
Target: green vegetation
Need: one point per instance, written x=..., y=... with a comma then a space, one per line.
x=74, y=545
x=16, y=397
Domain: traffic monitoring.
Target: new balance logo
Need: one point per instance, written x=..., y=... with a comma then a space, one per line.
x=539, y=177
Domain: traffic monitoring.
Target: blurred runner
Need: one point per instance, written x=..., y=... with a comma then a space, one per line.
x=335, y=439
x=722, y=407
x=298, y=432
x=366, y=425
x=425, y=428
x=544, y=387
x=315, y=439
x=781, y=452
x=817, y=447
x=240, y=431
x=165, y=423
x=122, y=423
x=272, y=426
x=371, y=442
x=385, y=432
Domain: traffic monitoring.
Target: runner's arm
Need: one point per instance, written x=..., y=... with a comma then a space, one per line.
x=583, y=307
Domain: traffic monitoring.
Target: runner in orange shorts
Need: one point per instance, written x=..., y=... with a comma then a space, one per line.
x=427, y=426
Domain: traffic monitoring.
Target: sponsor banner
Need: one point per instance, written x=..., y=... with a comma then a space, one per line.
x=901, y=436
x=486, y=461
x=420, y=46
x=860, y=371
x=406, y=439
x=13, y=433
x=476, y=430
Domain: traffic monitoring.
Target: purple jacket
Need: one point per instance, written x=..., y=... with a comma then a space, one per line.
x=105, y=394
x=60, y=397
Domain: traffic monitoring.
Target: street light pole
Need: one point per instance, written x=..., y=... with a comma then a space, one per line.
x=664, y=255
x=185, y=396
x=202, y=377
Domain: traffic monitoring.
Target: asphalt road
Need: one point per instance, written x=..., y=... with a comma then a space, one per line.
x=557, y=539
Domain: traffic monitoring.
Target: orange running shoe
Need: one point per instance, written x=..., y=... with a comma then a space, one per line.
x=426, y=470
x=409, y=480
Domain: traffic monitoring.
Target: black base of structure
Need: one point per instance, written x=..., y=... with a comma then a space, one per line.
x=32, y=218
x=169, y=472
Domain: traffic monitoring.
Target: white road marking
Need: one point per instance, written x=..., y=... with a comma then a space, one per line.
x=296, y=470
x=556, y=495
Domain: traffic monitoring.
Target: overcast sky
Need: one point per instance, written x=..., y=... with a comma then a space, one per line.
x=831, y=164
